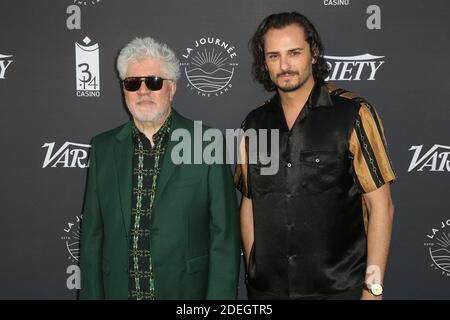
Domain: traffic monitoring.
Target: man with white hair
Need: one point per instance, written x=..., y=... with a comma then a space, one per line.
x=152, y=229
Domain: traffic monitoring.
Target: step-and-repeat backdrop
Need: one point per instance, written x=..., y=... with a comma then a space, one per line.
x=59, y=88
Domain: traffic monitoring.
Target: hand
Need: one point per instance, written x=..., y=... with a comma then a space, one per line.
x=366, y=295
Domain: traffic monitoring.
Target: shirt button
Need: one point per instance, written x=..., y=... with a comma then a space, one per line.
x=317, y=160
x=292, y=257
x=289, y=164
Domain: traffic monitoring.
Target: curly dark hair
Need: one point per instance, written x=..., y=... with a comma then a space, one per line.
x=278, y=21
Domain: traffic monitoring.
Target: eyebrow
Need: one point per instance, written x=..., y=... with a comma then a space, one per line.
x=290, y=50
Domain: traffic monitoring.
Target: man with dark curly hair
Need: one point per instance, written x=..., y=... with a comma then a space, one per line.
x=320, y=227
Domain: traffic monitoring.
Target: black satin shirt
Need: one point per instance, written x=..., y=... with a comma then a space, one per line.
x=309, y=218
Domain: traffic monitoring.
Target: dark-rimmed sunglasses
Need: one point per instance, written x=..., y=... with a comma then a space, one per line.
x=153, y=83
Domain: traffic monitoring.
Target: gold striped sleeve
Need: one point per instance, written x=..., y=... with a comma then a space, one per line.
x=371, y=164
x=241, y=171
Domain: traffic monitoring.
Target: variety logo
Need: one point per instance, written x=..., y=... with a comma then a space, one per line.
x=71, y=239
x=438, y=245
x=69, y=155
x=354, y=68
x=435, y=159
x=209, y=66
x=5, y=62
x=87, y=69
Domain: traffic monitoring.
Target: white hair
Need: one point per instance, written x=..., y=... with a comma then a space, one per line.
x=141, y=48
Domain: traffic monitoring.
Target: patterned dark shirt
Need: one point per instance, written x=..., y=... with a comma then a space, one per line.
x=147, y=160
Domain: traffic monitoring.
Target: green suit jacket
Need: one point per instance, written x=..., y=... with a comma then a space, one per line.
x=194, y=227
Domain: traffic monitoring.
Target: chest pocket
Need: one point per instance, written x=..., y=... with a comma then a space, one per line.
x=320, y=170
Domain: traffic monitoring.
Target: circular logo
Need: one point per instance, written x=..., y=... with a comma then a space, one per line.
x=439, y=247
x=86, y=2
x=71, y=238
x=209, y=65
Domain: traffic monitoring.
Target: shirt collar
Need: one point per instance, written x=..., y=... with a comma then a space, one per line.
x=319, y=97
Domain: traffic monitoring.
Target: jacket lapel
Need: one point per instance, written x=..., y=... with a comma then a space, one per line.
x=123, y=154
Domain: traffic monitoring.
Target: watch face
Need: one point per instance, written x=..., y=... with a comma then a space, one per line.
x=376, y=289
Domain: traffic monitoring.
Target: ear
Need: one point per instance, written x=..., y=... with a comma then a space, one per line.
x=173, y=89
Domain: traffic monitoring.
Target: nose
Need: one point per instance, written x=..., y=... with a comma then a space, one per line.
x=143, y=89
x=284, y=63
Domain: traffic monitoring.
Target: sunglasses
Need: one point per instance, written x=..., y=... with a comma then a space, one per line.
x=153, y=83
